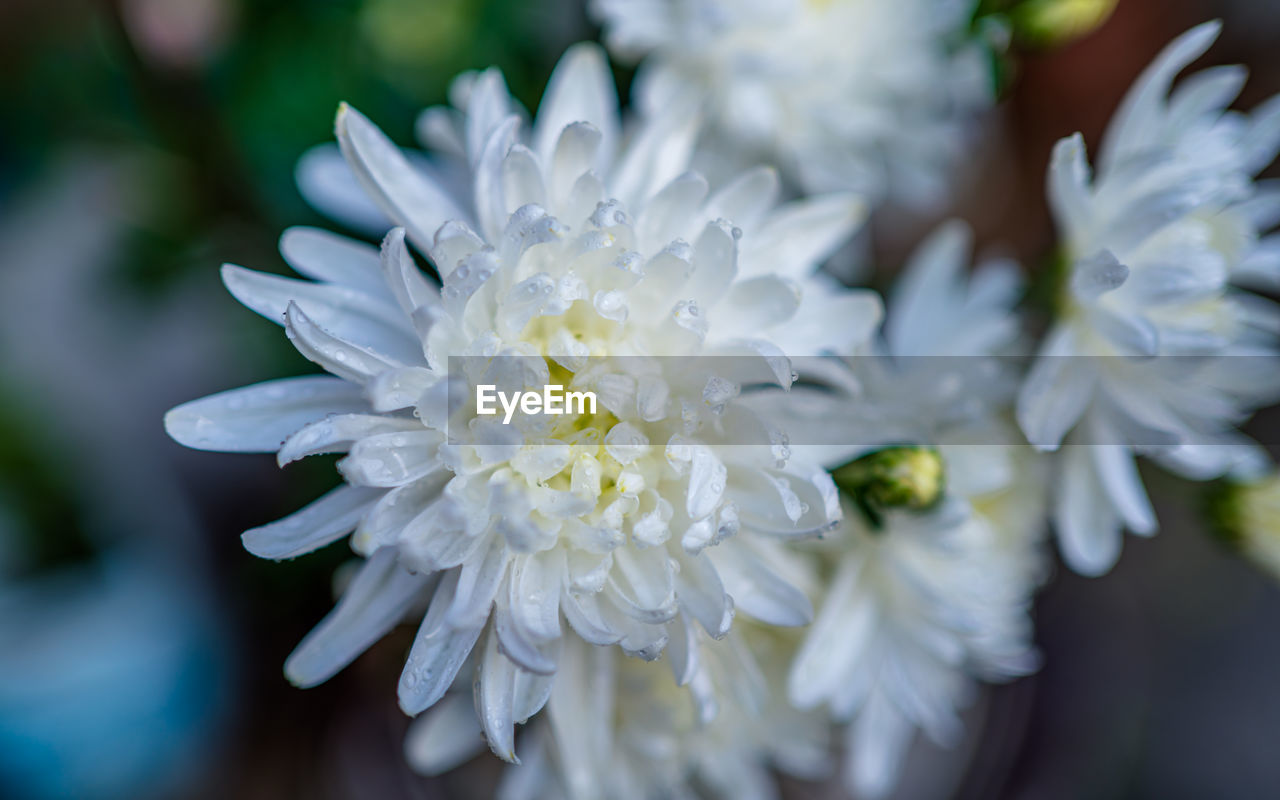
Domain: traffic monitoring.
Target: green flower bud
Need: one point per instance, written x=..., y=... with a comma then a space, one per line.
x=1051, y=23
x=1246, y=517
x=908, y=478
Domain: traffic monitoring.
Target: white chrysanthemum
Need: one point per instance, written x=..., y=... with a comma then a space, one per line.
x=588, y=260
x=846, y=94
x=934, y=566
x=1154, y=352
x=623, y=728
x=917, y=611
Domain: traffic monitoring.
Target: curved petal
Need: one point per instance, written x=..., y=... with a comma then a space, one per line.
x=258, y=418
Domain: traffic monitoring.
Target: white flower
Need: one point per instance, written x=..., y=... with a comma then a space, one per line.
x=845, y=94
x=1154, y=352
x=579, y=255
x=622, y=728
x=915, y=612
x=933, y=568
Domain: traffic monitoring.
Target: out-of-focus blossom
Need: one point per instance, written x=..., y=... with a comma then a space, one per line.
x=932, y=571
x=848, y=94
x=179, y=34
x=1247, y=514
x=1154, y=351
x=580, y=254
x=624, y=728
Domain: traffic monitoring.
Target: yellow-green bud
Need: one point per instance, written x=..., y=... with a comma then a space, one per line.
x=1246, y=516
x=908, y=478
x=1050, y=23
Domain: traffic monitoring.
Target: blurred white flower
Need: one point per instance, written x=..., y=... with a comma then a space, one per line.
x=623, y=728
x=578, y=254
x=917, y=610
x=844, y=94
x=932, y=571
x=1154, y=352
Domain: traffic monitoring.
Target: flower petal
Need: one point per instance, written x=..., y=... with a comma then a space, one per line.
x=438, y=652
x=258, y=418
x=400, y=190
x=445, y=737
x=331, y=258
x=580, y=90
x=377, y=599
x=315, y=525
x=337, y=356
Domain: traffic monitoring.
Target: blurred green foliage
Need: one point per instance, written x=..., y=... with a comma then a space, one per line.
x=217, y=132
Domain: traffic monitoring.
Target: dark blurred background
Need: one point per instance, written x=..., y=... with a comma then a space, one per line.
x=144, y=142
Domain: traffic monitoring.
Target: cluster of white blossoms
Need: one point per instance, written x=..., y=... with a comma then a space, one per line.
x=796, y=521
x=1155, y=351
x=866, y=95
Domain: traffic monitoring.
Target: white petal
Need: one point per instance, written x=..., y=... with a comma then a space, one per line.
x=670, y=214
x=798, y=236
x=487, y=184
x=658, y=151
x=830, y=320
x=401, y=388
x=315, y=525
x=402, y=192
x=408, y=285
x=925, y=289
x=580, y=90
x=331, y=258
x=531, y=694
x=702, y=595
x=522, y=179
x=877, y=749
x=581, y=714
x=330, y=187
x=362, y=319
x=258, y=418
x=582, y=612
x=642, y=581
x=576, y=152
x=841, y=632
x=715, y=263
x=535, y=594
x=1096, y=275
x=745, y=200
x=495, y=700
x=377, y=599
x=438, y=652
x=478, y=583
x=392, y=459
x=707, y=478
x=516, y=644
x=445, y=737
x=757, y=304
x=1089, y=532
x=1056, y=392
x=1068, y=186
x=387, y=520
x=337, y=356
x=1133, y=125
x=336, y=433
x=1117, y=472
x=757, y=591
